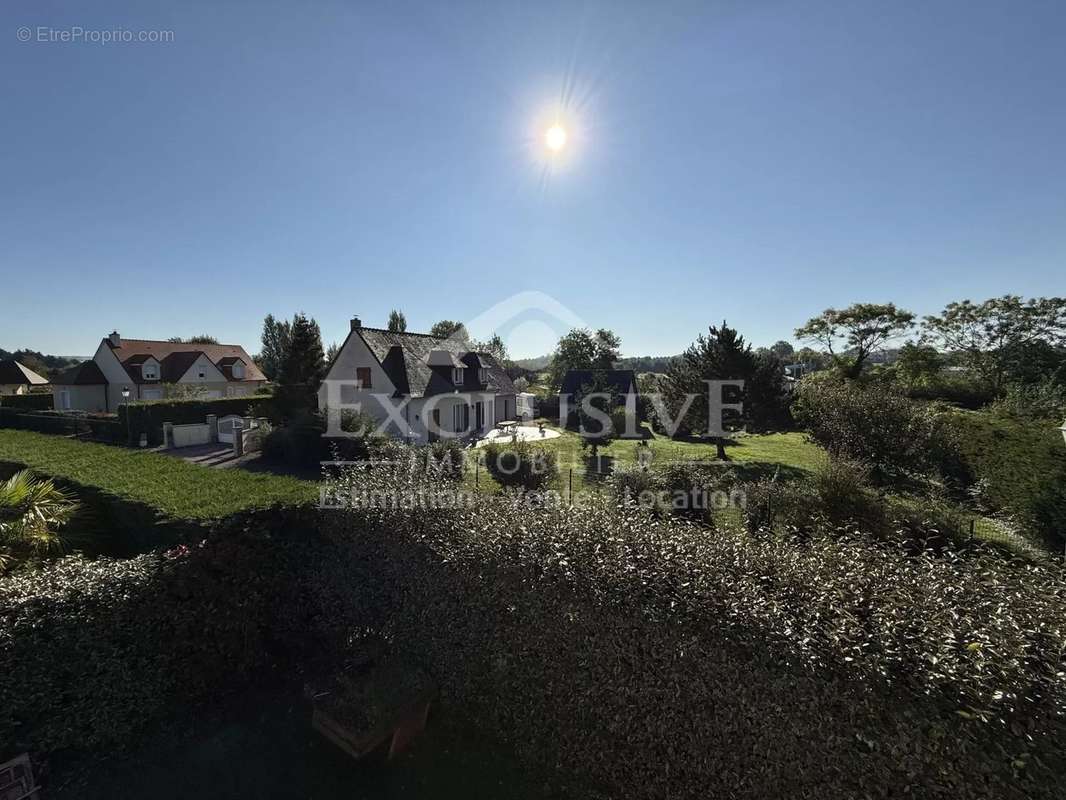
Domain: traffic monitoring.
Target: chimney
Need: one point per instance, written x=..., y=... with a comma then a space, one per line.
x=356, y=323
x=115, y=339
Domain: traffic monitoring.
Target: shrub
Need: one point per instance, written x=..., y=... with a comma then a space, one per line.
x=875, y=424
x=91, y=651
x=650, y=659
x=1043, y=400
x=1018, y=463
x=521, y=465
x=35, y=401
x=300, y=442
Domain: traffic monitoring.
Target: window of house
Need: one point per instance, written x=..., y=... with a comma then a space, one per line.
x=200, y=373
x=483, y=375
x=457, y=375
x=150, y=372
x=238, y=371
x=362, y=377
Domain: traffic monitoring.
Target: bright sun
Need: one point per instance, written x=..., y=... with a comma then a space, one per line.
x=555, y=138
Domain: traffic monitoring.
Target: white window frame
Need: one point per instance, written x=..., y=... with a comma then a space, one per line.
x=483, y=374
x=64, y=399
x=157, y=394
x=458, y=376
x=150, y=371
x=238, y=370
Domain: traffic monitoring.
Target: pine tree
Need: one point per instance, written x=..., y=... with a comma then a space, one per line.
x=275, y=346
x=720, y=355
x=305, y=361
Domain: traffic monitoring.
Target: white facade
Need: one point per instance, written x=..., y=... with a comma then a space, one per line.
x=419, y=419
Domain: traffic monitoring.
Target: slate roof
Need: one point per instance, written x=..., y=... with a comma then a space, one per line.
x=12, y=371
x=623, y=381
x=84, y=374
x=135, y=351
x=405, y=358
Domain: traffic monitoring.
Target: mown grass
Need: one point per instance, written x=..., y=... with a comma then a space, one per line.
x=172, y=486
x=753, y=453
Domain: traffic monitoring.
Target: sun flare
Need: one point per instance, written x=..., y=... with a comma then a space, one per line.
x=555, y=138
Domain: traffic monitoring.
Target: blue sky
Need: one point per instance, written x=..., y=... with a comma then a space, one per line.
x=753, y=161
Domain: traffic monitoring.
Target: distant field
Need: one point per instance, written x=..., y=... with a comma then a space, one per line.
x=174, y=487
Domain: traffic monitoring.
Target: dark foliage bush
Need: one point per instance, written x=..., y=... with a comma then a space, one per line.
x=36, y=401
x=963, y=392
x=300, y=442
x=521, y=465
x=649, y=658
x=91, y=651
x=149, y=417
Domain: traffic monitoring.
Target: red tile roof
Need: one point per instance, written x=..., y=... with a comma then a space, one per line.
x=172, y=355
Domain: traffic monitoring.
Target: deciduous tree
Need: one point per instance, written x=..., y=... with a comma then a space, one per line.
x=863, y=329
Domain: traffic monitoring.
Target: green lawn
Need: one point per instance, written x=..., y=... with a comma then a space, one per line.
x=764, y=452
x=174, y=487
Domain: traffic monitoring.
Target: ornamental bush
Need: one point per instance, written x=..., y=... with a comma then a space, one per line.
x=521, y=465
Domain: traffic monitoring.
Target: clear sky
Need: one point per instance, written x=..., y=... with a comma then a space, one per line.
x=755, y=161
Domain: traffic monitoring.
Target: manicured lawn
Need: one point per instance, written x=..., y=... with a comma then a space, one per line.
x=790, y=451
x=174, y=487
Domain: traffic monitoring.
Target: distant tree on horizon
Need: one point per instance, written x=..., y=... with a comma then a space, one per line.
x=397, y=321
x=863, y=328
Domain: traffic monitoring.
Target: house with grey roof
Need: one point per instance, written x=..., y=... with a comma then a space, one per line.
x=132, y=370
x=419, y=387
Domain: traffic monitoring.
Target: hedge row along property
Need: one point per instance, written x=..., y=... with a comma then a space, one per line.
x=621, y=654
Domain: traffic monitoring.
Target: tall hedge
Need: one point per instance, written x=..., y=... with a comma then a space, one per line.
x=648, y=658
x=36, y=401
x=149, y=417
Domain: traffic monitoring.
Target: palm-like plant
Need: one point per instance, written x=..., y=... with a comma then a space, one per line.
x=32, y=514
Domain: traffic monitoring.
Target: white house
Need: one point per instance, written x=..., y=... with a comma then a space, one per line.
x=422, y=387
x=128, y=370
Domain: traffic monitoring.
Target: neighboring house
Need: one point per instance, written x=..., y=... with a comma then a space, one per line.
x=151, y=370
x=423, y=386
x=15, y=378
x=622, y=382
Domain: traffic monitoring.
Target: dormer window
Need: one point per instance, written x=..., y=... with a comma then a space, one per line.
x=150, y=371
x=483, y=375
x=238, y=371
x=457, y=375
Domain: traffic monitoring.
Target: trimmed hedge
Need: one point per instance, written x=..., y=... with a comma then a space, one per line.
x=651, y=658
x=92, y=651
x=148, y=417
x=36, y=401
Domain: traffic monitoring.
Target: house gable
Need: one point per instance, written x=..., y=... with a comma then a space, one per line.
x=201, y=370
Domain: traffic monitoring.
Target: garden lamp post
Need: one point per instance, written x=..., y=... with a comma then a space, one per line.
x=126, y=396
